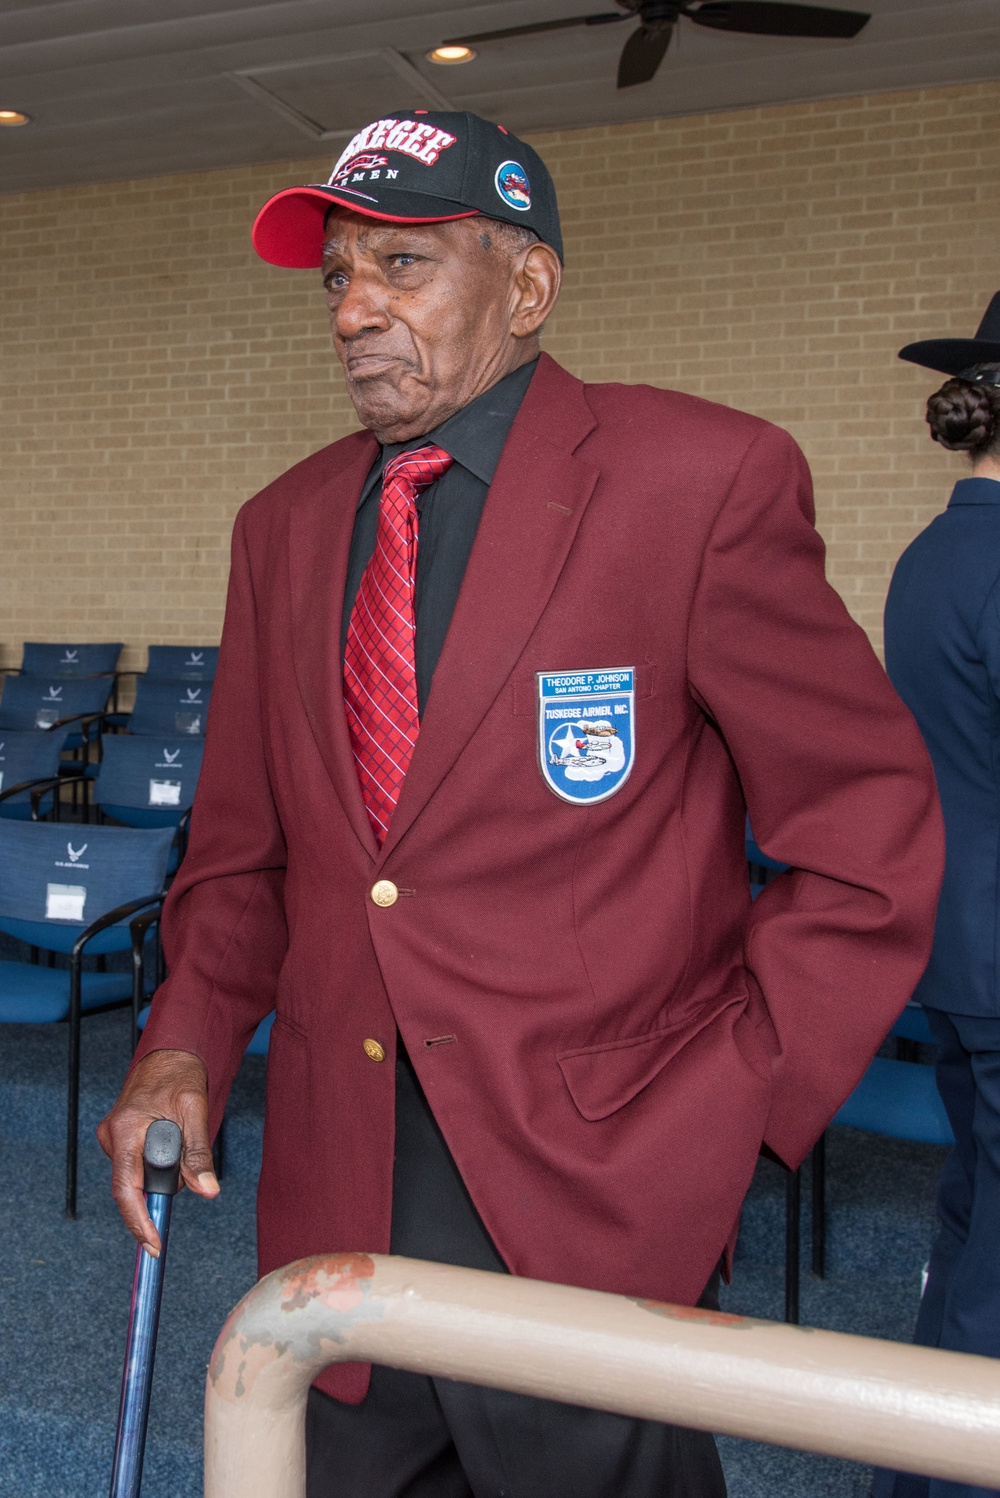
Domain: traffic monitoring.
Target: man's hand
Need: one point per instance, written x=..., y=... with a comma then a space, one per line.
x=164, y=1084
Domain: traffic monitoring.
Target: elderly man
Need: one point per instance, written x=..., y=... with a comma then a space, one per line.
x=500, y=676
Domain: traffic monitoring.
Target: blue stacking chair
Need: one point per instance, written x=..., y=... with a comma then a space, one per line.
x=899, y=1099
x=26, y=758
x=139, y=782
x=913, y=1026
x=170, y=707
x=73, y=890
x=49, y=704
x=67, y=661
x=182, y=662
x=147, y=782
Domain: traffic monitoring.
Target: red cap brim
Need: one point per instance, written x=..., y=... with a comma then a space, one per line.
x=288, y=230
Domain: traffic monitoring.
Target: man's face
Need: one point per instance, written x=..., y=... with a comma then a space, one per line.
x=424, y=317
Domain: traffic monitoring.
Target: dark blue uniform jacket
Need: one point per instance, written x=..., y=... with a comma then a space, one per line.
x=942, y=643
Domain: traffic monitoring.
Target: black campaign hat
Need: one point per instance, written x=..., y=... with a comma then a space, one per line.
x=417, y=168
x=956, y=355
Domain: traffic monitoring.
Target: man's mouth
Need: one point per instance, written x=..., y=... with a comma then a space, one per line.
x=370, y=366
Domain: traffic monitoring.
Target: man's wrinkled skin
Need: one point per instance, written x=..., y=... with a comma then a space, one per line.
x=424, y=317
x=164, y=1084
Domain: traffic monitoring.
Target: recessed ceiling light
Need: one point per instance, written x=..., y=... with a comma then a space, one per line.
x=13, y=117
x=448, y=56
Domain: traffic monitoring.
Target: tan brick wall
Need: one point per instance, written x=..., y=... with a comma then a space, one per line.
x=156, y=373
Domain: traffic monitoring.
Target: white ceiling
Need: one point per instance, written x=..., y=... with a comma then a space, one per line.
x=132, y=88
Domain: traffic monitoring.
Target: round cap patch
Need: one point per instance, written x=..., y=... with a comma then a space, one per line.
x=511, y=183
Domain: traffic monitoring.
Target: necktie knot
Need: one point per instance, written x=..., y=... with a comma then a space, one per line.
x=413, y=471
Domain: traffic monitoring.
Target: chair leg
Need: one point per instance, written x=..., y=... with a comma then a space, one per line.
x=793, y=1195
x=73, y=1087
x=819, y=1207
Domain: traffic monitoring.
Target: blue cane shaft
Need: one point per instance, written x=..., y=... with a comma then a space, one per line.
x=140, y=1351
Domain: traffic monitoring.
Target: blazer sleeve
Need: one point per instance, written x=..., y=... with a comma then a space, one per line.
x=224, y=928
x=838, y=785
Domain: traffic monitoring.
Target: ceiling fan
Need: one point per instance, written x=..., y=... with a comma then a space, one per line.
x=646, y=47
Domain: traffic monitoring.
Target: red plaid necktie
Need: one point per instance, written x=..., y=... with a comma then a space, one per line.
x=380, y=678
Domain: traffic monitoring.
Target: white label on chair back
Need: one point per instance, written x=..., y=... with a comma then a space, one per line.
x=165, y=792
x=64, y=902
x=46, y=716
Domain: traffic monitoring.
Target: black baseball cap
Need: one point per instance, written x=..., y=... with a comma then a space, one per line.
x=416, y=167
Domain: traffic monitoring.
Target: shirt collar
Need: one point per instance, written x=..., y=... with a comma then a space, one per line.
x=976, y=491
x=474, y=436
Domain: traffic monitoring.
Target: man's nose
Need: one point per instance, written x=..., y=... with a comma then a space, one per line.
x=362, y=306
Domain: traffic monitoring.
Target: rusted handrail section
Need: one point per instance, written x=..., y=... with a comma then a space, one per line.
x=897, y=1406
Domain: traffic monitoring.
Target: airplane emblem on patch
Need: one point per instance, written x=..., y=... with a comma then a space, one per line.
x=586, y=732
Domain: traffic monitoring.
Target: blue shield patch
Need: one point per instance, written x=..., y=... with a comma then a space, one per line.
x=586, y=732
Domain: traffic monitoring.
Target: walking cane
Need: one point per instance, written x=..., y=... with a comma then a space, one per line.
x=161, y=1172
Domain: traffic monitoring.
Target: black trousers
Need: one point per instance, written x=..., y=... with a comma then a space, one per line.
x=418, y=1437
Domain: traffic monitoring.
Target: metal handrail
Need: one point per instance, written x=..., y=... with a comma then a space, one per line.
x=912, y=1408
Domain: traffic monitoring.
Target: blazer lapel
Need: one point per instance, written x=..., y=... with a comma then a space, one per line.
x=534, y=507
x=321, y=527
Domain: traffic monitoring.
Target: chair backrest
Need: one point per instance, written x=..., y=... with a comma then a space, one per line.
x=55, y=879
x=63, y=661
x=901, y=1099
x=182, y=662
x=913, y=1024
x=148, y=782
x=33, y=702
x=25, y=756
x=170, y=707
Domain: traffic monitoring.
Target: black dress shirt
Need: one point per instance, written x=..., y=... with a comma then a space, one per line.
x=449, y=512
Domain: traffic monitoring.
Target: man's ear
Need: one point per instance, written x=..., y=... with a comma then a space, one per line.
x=537, y=279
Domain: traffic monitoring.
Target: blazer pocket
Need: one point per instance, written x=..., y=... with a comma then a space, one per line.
x=524, y=690
x=603, y=1078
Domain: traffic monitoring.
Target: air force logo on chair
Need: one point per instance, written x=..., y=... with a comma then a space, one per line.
x=586, y=732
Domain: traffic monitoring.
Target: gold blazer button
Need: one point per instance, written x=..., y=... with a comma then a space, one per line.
x=373, y=1050
x=384, y=893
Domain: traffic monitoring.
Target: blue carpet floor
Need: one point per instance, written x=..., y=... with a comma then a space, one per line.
x=65, y=1286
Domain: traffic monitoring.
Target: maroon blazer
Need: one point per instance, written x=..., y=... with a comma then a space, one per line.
x=627, y=1026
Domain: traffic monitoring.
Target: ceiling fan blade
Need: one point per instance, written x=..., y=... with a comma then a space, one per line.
x=643, y=53
x=537, y=26
x=768, y=18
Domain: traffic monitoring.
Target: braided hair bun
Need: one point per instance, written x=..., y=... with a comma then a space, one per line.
x=964, y=416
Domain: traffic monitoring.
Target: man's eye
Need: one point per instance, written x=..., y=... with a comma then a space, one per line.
x=403, y=260
x=336, y=281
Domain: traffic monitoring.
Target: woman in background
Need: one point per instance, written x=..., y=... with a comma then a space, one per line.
x=942, y=643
